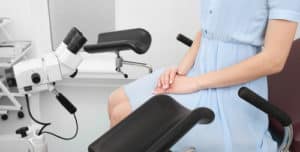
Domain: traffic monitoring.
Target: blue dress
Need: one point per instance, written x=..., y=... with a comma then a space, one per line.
x=232, y=31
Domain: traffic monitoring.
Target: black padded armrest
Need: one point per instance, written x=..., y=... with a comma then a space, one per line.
x=138, y=40
x=262, y=104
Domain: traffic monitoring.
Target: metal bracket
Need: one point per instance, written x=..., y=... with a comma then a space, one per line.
x=287, y=139
x=120, y=62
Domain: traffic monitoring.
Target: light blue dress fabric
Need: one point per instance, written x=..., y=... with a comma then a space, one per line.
x=232, y=31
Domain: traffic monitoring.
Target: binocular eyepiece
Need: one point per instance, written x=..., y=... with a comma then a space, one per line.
x=74, y=40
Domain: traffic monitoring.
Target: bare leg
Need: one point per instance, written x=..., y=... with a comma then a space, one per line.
x=118, y=107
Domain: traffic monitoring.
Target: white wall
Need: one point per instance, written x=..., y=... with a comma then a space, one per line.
x=96, y=16
x=30, y=22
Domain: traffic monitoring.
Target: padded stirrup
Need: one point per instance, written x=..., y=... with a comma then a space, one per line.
x=154, y=127
x=138, y=40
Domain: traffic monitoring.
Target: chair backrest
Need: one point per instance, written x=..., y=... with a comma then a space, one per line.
x=284, y=91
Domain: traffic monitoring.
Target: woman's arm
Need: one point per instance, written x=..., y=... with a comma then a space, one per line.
x=279, y=37
x=189, y=59
x=167, y=78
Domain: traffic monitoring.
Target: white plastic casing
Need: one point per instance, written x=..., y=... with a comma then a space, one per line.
x=47, y=67
x=69, y=61
x=51, y=68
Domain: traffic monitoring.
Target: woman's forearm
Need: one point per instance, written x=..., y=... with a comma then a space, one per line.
x=251, y=69
x=188, y=60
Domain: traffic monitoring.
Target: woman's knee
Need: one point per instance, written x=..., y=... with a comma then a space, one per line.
x=116, y=98
x=120, y=112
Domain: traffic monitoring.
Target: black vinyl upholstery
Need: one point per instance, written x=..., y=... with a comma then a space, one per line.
x=154, y=127
x=138, y=40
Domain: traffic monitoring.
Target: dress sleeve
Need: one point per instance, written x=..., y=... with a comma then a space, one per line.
x=284, y=9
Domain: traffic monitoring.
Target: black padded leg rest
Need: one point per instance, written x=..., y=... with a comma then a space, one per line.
x=201, y=115
x=145, y=126
x=138, y=40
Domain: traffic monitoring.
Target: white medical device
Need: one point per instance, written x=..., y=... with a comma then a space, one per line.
x=39, y=74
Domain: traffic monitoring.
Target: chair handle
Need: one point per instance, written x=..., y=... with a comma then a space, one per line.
x=185, y=40
x=265, y=106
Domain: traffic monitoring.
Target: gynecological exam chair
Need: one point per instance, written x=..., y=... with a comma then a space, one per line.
x=153, y=127
x=156, y=125
x=168, y=121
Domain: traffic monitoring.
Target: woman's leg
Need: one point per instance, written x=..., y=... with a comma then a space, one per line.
x=125, y=99
x=118, y=106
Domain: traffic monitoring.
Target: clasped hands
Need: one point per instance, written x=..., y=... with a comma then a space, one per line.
x=172, y=81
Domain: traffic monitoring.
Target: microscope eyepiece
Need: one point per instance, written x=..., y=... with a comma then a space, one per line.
x=77, y=43
x=74, y=31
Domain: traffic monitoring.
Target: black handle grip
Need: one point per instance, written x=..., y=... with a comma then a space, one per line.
x=260, y=103
x=205, y=115
x=66, y=103
x=185, y=40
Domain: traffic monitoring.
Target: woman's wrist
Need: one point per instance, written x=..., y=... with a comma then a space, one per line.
x=199, y=83
x=182, y=70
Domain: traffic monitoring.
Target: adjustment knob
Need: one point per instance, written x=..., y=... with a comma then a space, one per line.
x=4, y=117
x=36, y=78
x=21, y=115
x=22, y=131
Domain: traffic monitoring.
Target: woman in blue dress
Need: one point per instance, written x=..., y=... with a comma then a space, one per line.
x=239, y=44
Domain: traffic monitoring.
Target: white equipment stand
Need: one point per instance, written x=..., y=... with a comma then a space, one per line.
x=11, y=52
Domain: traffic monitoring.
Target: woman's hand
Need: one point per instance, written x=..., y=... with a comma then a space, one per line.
x=167, y=78
x=180, y=85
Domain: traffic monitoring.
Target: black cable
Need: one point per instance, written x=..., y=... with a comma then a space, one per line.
x=33, y=118
x=48, y=124
x=64, y=138
x=42, y=129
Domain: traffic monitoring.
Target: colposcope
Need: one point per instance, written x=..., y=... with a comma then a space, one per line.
x=40, y=74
